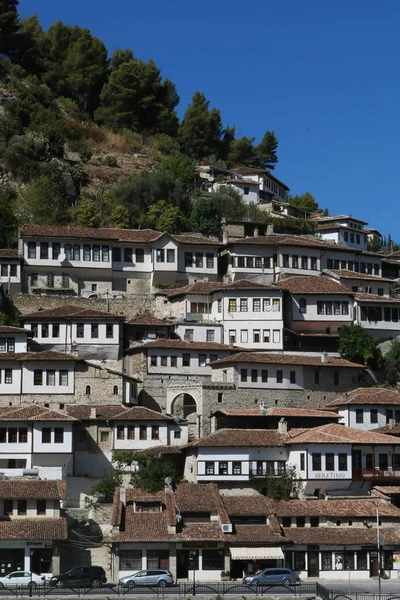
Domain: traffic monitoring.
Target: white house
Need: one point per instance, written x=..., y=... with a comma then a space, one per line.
x=378, y=315
x=13, y=339
x=10, y=270
x=344, y=230
x=368, y=408
x=361, y=282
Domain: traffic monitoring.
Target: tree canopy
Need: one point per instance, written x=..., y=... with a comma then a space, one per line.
x=357, y=345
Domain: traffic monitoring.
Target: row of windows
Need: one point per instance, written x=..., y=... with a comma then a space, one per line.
x=172, y=361
x=374, y=314
x=367, y=290
x=7, y=344
x=235, y=467
x=350, y=265
x=253, y=262
x=13, y=435
x=259, y=336
x=87, y=252
x=50, y=280
x=129, y=254
x=8, y=507
x=356, y=239
x=242, y=304
x=58, y=435
x=54, y=329
x=327, y=307
x=49, y=376
x=329, y=462
x=337, y=561
x=255, y=376
x=373, y=415
x=300, y=262
x=197, y=259
x=128, y=432
x=8, y=270
x=210, y=335
x=165, y=255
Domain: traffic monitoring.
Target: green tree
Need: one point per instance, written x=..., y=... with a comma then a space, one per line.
x=152, y=472
x=87, y=213
x=180, y=167
x=208, y=211
x=242, y=152
x=163, y=216
x=120, y=218
x=8, y=25
x=201, y=129
x=135, y=97
x=284, y=487
x=105, y=489
x=204, y=218
x=8, y=222
x=358, y=346
x=30, y=46
x=375, y=245
x=266, y=151
x=305, y=202
x=42, y=201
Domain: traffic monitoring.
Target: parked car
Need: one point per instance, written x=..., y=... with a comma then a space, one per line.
x=156, y=577
x=80, y=577
x=22, y=578
x=272, y=576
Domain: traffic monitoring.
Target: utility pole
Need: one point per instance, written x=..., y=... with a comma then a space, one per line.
x=378, y=542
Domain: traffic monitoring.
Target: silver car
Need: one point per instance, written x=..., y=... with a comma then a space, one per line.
x=272, y=577
x=156, y=577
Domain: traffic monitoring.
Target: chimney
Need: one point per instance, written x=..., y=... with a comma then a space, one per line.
x=231, y=341
x=282, y=426
x=122, y=495
x=224, y=229
x=270, y=229
x=93, y=412
x=324, y=358
x=256, y=231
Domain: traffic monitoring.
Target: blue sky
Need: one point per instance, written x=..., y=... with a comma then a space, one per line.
x=324, y=75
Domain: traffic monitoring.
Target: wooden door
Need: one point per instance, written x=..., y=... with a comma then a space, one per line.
x=313, y=564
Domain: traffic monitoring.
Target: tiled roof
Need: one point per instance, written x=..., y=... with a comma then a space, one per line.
x=338, y=218
x=9, y=329
x=117, y=235
x=387, y=489
x=339, y=434
x=113, y=412
x=196, y=497
x=160, y=451
x=32, y=412
x=196, y=240
x=8, y=253
x=375, y=298
x=285, y=359
x=281, y=239
x=46, y=355
x=312, y=285
x=241, y=438
x=353, y=507
x=241, y=181
x=264, y=534
x=182, y=345
x=149, y=320
x=373, y=395
x=33, y=489
x=199, y=287
x=34, y=529
x=341, y=536
x=256, y=505
x=277, y=412
x=395, y=430
x=247, y=171
x=69, y=311
x=345, y=274
x=241, y=284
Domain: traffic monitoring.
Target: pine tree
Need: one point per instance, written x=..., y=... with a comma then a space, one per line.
x=201, y=130
x=8, y=25
x=266, y=151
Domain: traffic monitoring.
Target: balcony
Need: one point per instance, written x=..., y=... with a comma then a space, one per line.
x=266, y=472
x=376, y=473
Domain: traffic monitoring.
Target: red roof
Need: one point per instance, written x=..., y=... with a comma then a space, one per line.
x=117, y=235
x=182, y=345
x=375, y=299
x=349, y=507
x=373, y=395
x=32, y=412
x=33, y=489
x=34, y=529
x=312, y=285
x=150, y=321
x=277, y=412
x=111, y=412
x=241, y=438
x=70, y=311
x=9, y=253
x=339, y=434
x=345, y=274
x=284, y=359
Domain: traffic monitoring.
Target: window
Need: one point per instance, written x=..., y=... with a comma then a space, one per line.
x=63, y=378
x=328, y=307
x=232, y=336
x=285, y=260
x=243, y=304
x=153, y=361
x=266, y=304
x=109, y=331
x=295, y=261
x=209, y=468
x=76, y=252
x=223, y=468
x=286, y=521
x=243, y=375
x=185, y=360
x=45, y=331
x=46, y=435
x=316, y=462
x=210, y=335
x=58, y=435
x=256, y=304
x=345, y=308
x=266, y=336
x=359, y=415
x=128, y=255
x=115, y=390
x=87, y=252
x=96, y=253
x=139, y=253
x=37, y=377
x=256, y=336
x=220, y=397
x=12, y=435
x=254, y=375
x=50, y=377
x=303, y=305
x=94, y=330
x=336, y=308
x=189, y=334
x=320, y=307
x=8, y=506
x=232, y=305
x=213, y=560
x=3, y=346
x=104, y=435
x=300, y=522
x=373, y=415
x=41, y=507
x=316, y=376
x=44, y=250
x=170, y=255
x=336, y=377
x=314, y=263
x=80, y=329
x=279, y=376
x=299, y=561
x=120, y=432
x=164, y=361
x=302, y=461
x=362, y=560
x=68, y=251
x=243, y=336
x=240, y=261
x=314, y=521
x=304, y=262
x=342, y=462
x=199, y=260
x=8, y=376
x=237, y=468
x=131, y=432
x=329, y=462
x=160, y=255
x=292, y=376
x=326, y=561
x=174, y=361
x=209, y=261
x=11, y=344
x=31, y=249
x=250, y=262
x=276, y=336
x=202, y=360
x=50, y=280
x=246, y=190
x=130, y=560
x=188, y=259
x=88, y=390
x=143, y=432
x=105, y=253
x=34, y=279
x=56, y=330
x=264, y=376
x=219, y=305
x=22, y=435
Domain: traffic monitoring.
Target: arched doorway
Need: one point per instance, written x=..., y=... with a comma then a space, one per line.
x=185, y=406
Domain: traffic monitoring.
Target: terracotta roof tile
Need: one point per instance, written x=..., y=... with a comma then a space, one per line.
x=373, y=395
x=150, y=320
x=182, y=345
x=352, y=507
x=256, y=505
x=9, y=253
x=199, y=287
x=264, y=534
x=345, y=274
x=387, y=489
x=339, y=434
x=69, y=311
x=195, y=497
x=32, y=412
x=280, y=239
x=312, y=285
x=33, y=489
x=196, y=240
x=122, y=235
x=9, y=329
x=375, y=298
x=278, y=412
x=34, y=529
x=242, y=181
x=115, y=412
x=248, y=171
x=284, y=359
x=241, y=438
x=341, y=536
x=390, y=430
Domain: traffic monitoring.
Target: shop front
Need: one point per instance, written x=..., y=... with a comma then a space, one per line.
x=247, y=560
x=26, y=556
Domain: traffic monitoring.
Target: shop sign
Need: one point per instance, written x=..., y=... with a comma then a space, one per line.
x=330, y=475
x=199, y=545
x=42, y=544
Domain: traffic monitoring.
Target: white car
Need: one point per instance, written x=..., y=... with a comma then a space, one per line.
x=23, y=578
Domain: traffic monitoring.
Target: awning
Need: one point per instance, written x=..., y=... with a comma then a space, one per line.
x=255, y=553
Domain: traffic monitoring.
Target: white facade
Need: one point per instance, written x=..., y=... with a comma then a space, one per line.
x=163, y=361
x=311, y=312
x=368, y=416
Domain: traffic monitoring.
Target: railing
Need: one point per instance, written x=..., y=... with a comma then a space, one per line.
x=265, y=472
x=375, y=472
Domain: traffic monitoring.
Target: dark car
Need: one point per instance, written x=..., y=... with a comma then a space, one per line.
x=80, y=577
x=272, y=576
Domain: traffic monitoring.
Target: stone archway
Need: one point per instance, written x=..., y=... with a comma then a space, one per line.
x=185, y=406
